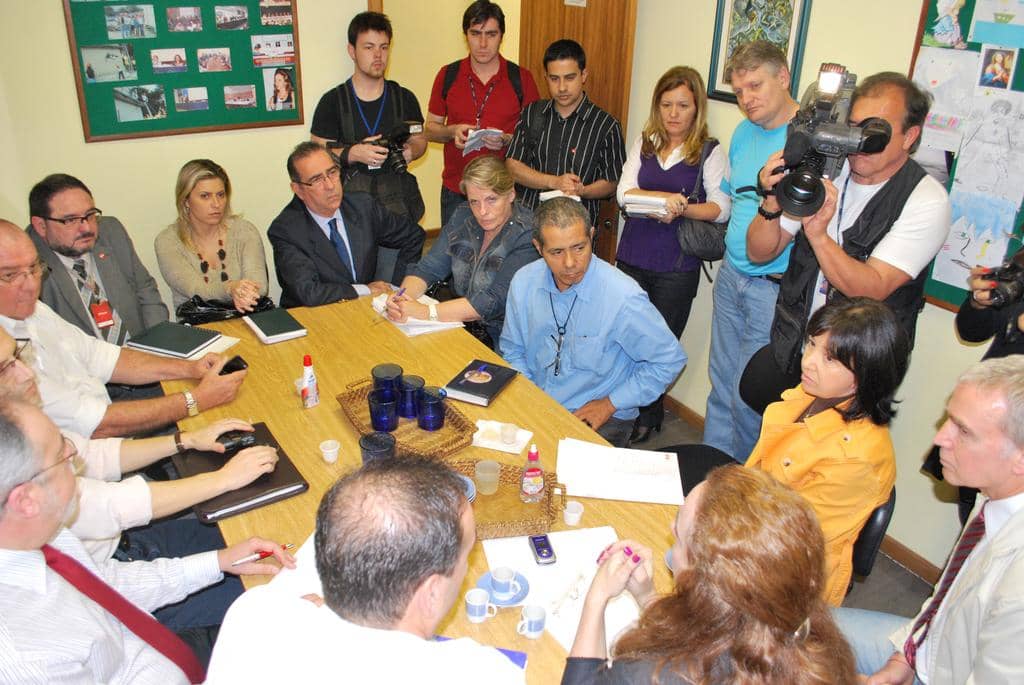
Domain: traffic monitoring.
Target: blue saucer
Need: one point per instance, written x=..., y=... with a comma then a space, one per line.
x=511, y=600
x=468, y=486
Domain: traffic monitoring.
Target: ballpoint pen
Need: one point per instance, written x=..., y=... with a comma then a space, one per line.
x=258, y=556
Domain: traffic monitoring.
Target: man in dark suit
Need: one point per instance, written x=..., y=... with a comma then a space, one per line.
x=326, y=241
x=96, y=280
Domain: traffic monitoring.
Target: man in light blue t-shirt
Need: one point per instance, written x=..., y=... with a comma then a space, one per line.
x=745, y=293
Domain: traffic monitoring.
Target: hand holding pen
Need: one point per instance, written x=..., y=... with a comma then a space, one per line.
x=244, y=558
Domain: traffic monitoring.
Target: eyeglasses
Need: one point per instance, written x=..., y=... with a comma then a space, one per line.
x=68, y=455
x=558, y=353
x=325, y=179
x=17, y=277
x=90, y=217
x=23, y=352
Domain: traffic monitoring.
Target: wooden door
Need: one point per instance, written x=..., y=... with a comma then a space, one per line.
x=605, y=29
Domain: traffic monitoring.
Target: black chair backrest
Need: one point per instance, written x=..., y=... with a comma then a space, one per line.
x=865, y=550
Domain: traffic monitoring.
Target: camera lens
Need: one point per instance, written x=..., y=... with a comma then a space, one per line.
x=801, y=192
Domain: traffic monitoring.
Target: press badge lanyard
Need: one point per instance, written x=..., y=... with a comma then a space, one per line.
x=102, y=312
x=359, y=108
x=487, y=94
x=839, y=217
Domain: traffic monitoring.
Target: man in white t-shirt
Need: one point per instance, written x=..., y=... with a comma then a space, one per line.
x=882, y=221
x=392, y=545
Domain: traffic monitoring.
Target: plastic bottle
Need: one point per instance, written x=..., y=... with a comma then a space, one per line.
x=310, y=392
x=532, y=483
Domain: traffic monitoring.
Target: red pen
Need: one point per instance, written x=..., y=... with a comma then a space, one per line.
x=258, y=556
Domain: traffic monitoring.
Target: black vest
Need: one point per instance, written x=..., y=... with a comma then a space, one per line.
x=796, y=291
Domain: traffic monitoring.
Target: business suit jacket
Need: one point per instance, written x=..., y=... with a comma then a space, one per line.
x=308, y=267
x=977, y=635
x=132, y=290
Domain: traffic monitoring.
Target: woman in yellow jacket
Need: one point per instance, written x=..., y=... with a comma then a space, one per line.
x=828, y=438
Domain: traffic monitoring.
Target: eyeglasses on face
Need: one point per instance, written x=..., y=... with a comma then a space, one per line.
x=90, y=217
x=22, y=352
x=37, y=269
x=327, y=178
x=68, y=455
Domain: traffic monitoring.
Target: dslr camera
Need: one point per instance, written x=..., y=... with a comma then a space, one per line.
x=1009, y=280
x=395, y=142
x=820, y=137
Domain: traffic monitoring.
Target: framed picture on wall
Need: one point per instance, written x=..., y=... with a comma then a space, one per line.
x=781, y=22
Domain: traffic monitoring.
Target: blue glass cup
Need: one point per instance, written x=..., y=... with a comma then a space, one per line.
x=411, y=386
x=383, y=411
x=430, y=414
x=377, y=446
x=388, y=378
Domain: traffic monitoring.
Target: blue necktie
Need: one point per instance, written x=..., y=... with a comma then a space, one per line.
x=339, y=247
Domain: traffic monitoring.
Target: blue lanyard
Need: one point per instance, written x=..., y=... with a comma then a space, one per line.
x=359, y=108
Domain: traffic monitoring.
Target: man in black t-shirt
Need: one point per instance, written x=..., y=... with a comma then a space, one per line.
x=357, y=117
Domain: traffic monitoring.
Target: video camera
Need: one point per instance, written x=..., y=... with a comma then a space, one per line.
x=819, y=138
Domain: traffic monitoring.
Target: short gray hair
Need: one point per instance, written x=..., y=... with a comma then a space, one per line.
x=18, y=460
x=560, y=212
x=1006, y=376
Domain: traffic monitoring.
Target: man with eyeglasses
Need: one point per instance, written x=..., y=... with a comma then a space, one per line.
x=73, y=367
x=326, y=240
x=66, y=617
x=584, y=331
x=96, y=280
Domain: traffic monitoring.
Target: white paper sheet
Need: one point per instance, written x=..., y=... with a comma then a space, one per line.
x=475, y=141
x=413, y=327
x=562, y=586
x=590, y=470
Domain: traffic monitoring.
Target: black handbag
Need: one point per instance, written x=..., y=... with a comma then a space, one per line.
x=704, y=240
x=196, y=310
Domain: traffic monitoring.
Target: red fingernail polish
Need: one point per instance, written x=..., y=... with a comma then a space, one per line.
x=636, y=558
x=627, y=551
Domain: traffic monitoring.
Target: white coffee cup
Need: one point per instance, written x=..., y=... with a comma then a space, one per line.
x=478, y=606
x=504, y=583
x=573, y=513
x=532, y=623
x=329, y=449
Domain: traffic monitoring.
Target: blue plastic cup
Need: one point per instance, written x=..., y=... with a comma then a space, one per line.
x=411, y=386
x=430, y=414
x=383, y=411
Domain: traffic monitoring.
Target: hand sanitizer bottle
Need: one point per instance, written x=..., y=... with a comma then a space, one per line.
x=310, y=391
x=532, y=483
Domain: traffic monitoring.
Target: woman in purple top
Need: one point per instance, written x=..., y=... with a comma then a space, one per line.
x=662, y=164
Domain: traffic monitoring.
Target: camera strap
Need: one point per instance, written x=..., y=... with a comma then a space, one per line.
x=839, y=213
x=359, y=108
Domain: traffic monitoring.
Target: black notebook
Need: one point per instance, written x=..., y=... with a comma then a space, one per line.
x=274, y=326
x=283, y=482
x=174, y=340
x=480, y=382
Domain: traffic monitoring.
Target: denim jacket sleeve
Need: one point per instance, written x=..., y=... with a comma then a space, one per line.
x=436, y=264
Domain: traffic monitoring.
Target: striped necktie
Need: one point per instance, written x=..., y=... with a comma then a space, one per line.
x=968, y=541
x=91, y=294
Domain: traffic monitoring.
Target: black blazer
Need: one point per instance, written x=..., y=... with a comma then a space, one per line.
x=309, y=269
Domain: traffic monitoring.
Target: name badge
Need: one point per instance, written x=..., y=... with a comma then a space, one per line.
x=102, y=314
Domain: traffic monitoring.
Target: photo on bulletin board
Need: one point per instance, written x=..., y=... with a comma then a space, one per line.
x=780, y=22
x=977, y=120
x=171, y=67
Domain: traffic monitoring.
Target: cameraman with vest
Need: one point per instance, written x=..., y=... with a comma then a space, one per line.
x=882, y=221
x=373, y=125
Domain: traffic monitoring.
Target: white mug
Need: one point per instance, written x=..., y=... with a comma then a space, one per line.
x=532, y=623
x=478, y=608
x=504, y=583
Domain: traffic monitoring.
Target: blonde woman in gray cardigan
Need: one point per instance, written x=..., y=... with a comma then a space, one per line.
x=209, y=251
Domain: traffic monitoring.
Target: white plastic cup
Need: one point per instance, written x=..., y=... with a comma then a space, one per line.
x=573, y=513
x=532, y=623
x=478, y=606
x=486, y=476
x=509, y=431
x=329, y=449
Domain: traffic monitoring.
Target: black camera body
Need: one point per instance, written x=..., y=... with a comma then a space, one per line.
x=395, y=143
x=819, y=138
x=1009, y=280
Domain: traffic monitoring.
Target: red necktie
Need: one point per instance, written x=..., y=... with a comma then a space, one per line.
x=133, y=618
x=968, y=541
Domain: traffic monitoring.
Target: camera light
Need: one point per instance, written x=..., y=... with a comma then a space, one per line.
x=829, y=82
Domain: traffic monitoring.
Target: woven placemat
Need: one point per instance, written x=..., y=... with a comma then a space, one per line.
x=503, y=514
x=410, y=439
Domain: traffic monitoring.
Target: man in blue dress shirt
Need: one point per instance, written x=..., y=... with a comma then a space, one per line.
x=584, y=331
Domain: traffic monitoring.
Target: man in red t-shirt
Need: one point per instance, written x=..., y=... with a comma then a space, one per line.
x=484, y=90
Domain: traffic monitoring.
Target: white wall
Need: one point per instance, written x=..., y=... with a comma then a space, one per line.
x=673, y=32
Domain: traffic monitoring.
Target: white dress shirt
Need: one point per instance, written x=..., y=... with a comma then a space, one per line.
x=51, y=633
x=72, y=368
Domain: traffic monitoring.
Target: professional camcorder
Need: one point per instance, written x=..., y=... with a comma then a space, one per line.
x=1009, y=280
x=819, y=138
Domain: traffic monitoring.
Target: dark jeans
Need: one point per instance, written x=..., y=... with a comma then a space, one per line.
x=449, y=201
x=179, y=537
x=672, y=295
x=616, y=431
x=119, y=392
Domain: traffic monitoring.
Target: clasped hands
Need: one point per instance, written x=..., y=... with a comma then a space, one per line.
x=244, y=294
x=623, y=565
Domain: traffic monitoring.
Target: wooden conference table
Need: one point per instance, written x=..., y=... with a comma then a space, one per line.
x=346, y=340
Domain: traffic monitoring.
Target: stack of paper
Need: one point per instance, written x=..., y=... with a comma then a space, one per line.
x=642, y=205
x=476, y=139
x=551, y=194
x=590, y=470
x=413, y=327
x=562, y=586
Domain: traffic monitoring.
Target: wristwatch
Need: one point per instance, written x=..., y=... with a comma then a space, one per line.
x=432, y=308
x=190, y=403
x=768, y=215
